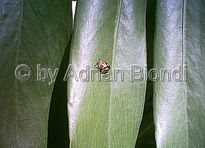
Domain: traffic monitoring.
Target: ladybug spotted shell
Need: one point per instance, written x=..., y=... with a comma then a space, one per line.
x=103, y=66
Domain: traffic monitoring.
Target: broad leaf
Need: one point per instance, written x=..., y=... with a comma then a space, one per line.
x=105, y=113
x=180, y=102
x=31, y=32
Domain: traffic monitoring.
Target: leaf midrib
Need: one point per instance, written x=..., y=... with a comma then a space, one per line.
x=18, y=50
x=184, y=63
x=119, y=8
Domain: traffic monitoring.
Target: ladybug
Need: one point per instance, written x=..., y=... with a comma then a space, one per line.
x=102, y=66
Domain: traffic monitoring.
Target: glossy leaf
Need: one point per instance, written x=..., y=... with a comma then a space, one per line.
x=180, y=103
x=31, y=33
x=107, y=113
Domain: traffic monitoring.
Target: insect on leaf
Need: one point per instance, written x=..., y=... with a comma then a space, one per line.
x=107, y=113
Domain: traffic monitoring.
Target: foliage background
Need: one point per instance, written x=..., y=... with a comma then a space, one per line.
x=34, y=114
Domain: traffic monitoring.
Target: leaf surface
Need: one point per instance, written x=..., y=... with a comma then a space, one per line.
x=180, y=103
x=31, y=33
x=107, y=113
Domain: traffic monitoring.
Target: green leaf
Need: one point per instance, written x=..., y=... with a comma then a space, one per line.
x=31, y=33
x=180, y=105
x=107, y=113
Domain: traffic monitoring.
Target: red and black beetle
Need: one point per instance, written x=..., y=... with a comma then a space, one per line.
x=102, y=66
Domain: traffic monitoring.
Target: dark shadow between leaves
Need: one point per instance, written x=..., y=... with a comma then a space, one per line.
x=58, y=130
x=146, y=136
